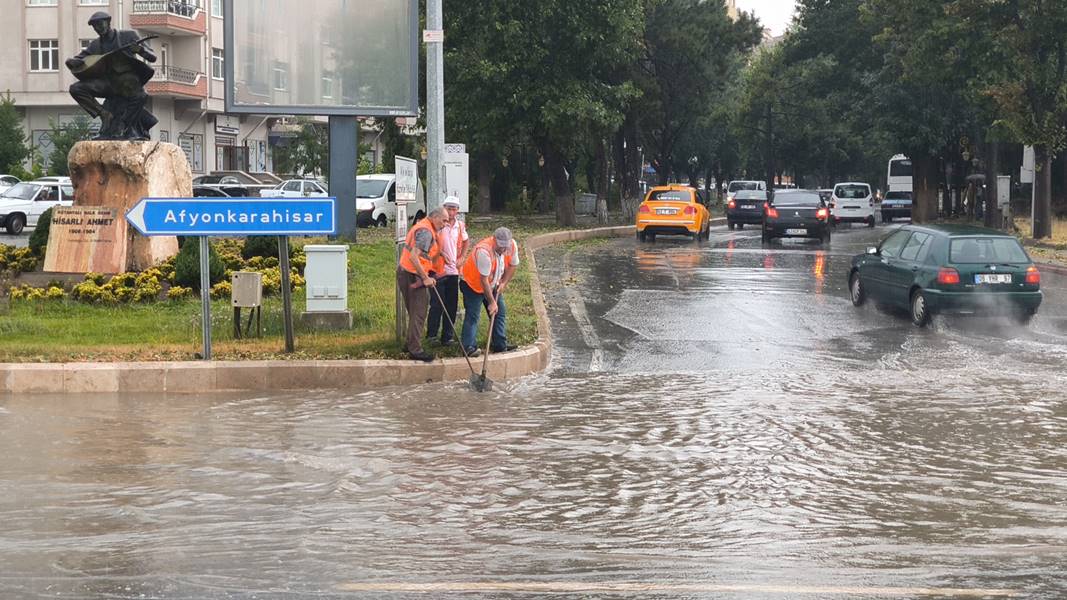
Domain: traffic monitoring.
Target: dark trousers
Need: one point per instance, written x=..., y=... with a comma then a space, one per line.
x=472, y=304
x=448, y=287
x=416, y=301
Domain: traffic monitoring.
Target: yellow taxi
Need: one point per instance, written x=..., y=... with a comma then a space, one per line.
x=672, y=210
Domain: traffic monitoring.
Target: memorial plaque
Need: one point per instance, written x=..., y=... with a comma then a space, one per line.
x=86, y=239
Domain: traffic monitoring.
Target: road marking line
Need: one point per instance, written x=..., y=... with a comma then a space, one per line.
x=581, y=317
x=688, y=588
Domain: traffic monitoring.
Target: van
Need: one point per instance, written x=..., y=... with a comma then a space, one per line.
x=853, y=203
x=376, y=201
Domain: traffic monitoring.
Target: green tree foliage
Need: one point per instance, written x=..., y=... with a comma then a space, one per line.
x=13, y=149
x=63, y=139
x=306, y=154
x=187, y=265
x=261, y=245
x=39, y=237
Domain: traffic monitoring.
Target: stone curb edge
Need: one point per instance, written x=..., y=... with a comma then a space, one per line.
x=194, y=377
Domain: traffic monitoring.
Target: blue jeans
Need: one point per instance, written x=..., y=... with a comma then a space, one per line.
x=473, y=303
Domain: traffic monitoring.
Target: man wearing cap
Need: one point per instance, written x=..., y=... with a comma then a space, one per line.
x=485, y=275
x=119, y=79
x=454, y=241
x=413, y=278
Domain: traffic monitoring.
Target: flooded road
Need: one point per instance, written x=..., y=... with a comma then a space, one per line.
x=719, y=422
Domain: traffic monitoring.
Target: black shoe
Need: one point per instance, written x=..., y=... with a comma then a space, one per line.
x=472, y=352
x=445, y=343
x=423, y=356
x=505, y=348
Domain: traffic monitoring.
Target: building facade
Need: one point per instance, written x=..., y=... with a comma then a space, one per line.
x=187, y=92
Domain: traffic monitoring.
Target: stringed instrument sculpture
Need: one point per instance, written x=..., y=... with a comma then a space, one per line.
x=94, y=66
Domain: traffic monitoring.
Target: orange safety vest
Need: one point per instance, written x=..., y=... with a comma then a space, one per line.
x=470, y=268
x=426, y=259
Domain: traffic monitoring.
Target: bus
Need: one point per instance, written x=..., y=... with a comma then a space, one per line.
x=899, y=177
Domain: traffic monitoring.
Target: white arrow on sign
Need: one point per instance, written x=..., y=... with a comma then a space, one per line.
x=136, y=216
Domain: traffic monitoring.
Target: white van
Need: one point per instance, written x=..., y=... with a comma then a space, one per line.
x=853, y=203
x=376, y=201
x=746, y=185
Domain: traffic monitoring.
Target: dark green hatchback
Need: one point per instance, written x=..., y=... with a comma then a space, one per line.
x=948, y=269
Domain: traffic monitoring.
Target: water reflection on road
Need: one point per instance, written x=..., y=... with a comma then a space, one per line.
x=719, y=422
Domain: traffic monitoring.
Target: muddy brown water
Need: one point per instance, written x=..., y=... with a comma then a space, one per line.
x=719, y=422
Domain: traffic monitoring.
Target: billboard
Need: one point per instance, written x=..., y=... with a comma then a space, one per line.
x=327, y=57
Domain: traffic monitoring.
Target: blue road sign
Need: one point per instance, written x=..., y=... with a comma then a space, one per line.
x=234, y=216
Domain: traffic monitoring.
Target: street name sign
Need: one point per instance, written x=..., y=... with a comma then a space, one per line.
x=234, y=216
x=407, y=179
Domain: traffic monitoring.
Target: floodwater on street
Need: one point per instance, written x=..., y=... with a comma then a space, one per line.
x=719, y=422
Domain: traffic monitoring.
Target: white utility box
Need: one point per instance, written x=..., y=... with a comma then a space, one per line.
x=326, y=277
x=247, y=289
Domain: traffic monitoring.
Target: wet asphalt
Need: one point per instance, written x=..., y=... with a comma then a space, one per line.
x=718, y=422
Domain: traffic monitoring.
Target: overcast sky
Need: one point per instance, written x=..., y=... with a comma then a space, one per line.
x=775, y=14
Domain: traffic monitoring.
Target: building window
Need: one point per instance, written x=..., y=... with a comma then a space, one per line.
x=94, y=2
x=218, y=63
x=44, y=55
x=42, y=2
x=327, y=87
x=216, y=8
x=281, y=76
x=85, y=43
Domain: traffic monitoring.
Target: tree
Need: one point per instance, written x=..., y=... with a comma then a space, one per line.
x=63, y=139
x=308, y=153
x=13, y=149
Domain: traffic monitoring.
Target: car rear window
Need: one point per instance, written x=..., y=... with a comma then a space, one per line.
x=743, y=185
x=671, y=196
x=750, y=195
x=852, y=191
x=797, y=199
x=898, y=195
x=987, y=250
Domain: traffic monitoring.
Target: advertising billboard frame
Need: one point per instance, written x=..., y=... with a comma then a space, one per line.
x=229, y=52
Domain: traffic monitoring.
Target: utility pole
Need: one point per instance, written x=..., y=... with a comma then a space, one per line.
x=435, y=104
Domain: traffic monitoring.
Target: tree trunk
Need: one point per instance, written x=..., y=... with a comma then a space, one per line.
x=992, y=168
x=924, y=186
x=561, y=188
x=604, y=183
x=1042, y=225
x=485, y=180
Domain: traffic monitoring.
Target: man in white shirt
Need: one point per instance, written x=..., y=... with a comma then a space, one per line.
x=454, y=242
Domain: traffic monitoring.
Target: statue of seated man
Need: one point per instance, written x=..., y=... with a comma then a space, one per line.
x=109, y=68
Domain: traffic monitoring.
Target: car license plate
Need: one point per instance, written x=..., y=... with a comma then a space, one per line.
x=748, y=206
x=796, y=232
x=851, y=207
x=993, y=278
x=666, y=211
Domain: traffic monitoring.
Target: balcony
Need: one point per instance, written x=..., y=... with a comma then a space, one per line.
x=168, y=17
x=178, y=83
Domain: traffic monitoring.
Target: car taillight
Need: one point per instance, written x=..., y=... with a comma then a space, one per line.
x=948, y=276
x=731, y=204
x=772, y=212
x=1033, y=276
x=822, y=214
x=690, y=210
x=644, y=209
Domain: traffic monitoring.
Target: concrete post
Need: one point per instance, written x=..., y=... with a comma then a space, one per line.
x=344, y=161
x=435, y=108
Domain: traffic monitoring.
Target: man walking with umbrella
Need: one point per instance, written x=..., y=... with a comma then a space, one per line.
x=486, y=274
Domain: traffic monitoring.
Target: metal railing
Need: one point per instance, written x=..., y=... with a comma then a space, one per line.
x=170, y=7
x=175, y=75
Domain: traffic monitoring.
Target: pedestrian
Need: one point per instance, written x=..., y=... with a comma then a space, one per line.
x=486, y=273
x=413, y=278
x=454, y=241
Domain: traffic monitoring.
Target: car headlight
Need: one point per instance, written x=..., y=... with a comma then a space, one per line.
x=365, y=206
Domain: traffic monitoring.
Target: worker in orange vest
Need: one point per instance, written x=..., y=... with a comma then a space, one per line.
x=486, y=273
x=414, y=277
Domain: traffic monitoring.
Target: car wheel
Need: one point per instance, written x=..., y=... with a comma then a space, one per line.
x=920, y=312
x=870, y=221
x=382, y=221
x=766, y=238
x=740, y=225
x=15, y=224
x=730, y=225
x=650, y=237
x=856, y=291
x=825, y=237
x=1023, y=317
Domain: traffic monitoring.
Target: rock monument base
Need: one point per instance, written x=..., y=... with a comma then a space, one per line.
x=118, y=174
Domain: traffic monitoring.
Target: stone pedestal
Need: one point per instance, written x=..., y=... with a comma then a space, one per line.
x=327, y=321
x=118, y=174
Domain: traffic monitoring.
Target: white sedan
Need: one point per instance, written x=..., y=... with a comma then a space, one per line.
x=296, y=188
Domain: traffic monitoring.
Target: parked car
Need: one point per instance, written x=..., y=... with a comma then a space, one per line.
x=376, y=201
x=672, y=210
x=948, y=269
x=295, y=188
x=746, y=208
x=216, y=180
x=896, y=205
x=7, y=181
x=796, y=213
x=853, y=203
x=22, y=204
x=210, y=191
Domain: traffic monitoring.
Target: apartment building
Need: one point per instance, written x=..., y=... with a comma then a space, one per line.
x=187, y=92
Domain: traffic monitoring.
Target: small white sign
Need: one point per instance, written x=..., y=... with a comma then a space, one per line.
x=457, y=176
x=1026, y=174
x=433, y=36
x=401, y=222
x=407, y=180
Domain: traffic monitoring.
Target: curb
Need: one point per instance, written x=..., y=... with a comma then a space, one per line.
x=195, y=376
x=1057, y=269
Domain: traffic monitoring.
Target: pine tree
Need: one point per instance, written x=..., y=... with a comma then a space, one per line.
x=13, y=149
